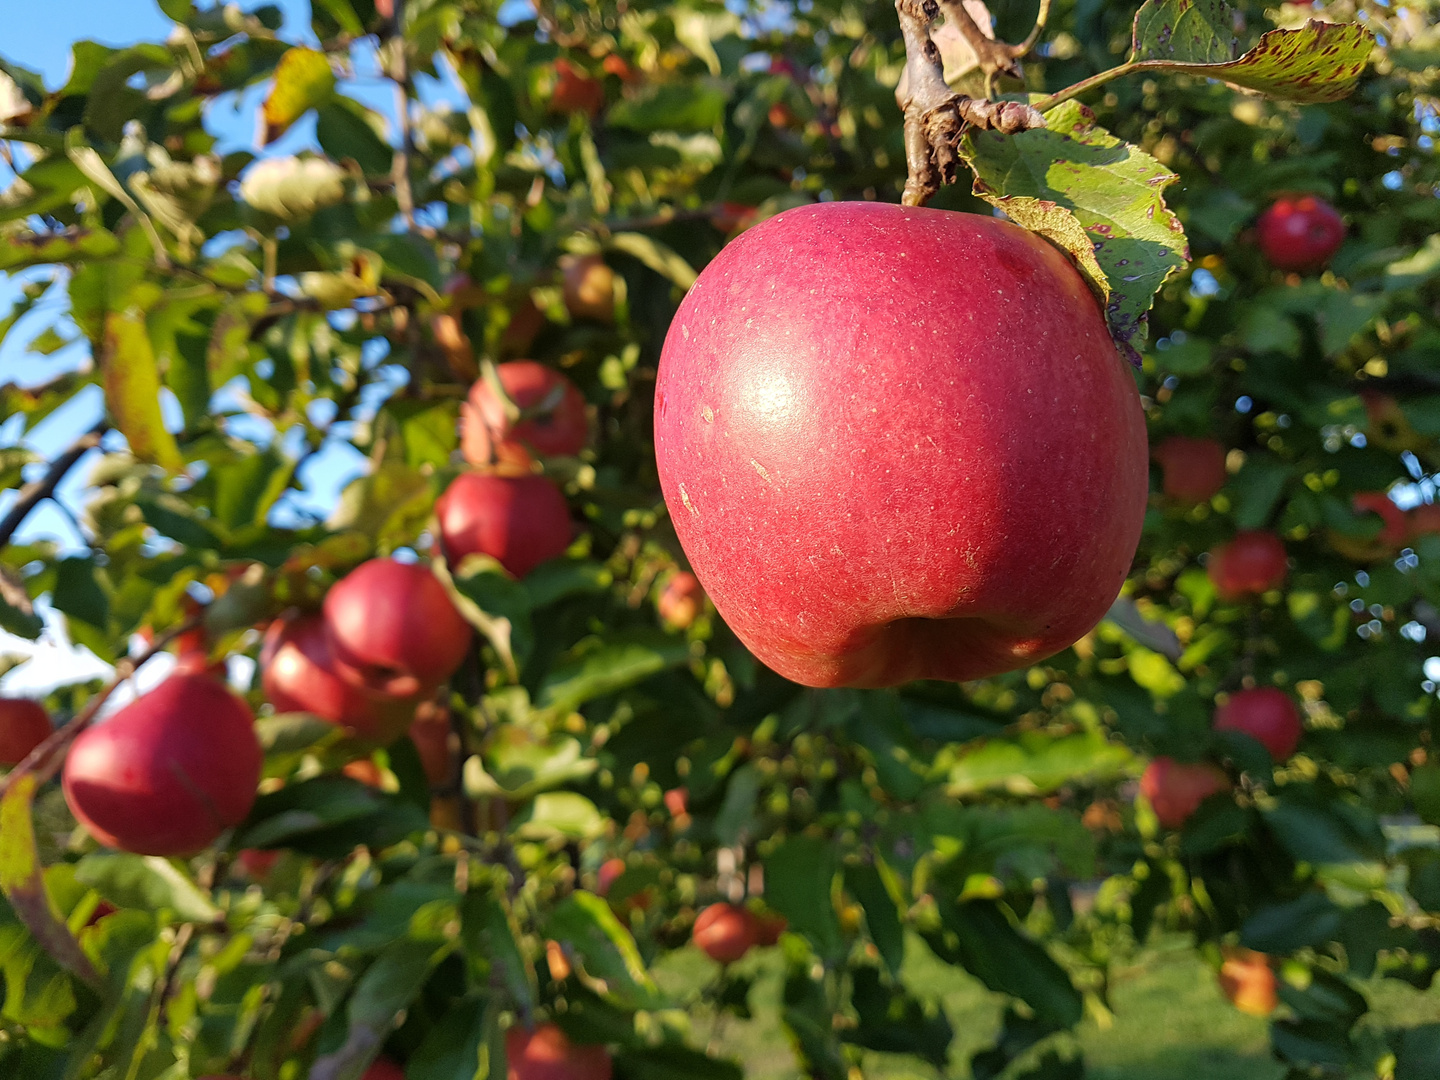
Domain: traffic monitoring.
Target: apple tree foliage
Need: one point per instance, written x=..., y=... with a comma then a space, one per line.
x=245, y=314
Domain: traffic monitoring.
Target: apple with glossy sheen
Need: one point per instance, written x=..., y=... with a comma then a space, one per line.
x=1266, y=714
x=1253, y=562
x=1193, y=469
x=24, y=725
x=168, y=773
x=554, y=423
x=521, y=521
x=1177, y=788
x=299, y=673
x=899, y=443
x=394, y=625
x=1300, y=232
x=546, y=1053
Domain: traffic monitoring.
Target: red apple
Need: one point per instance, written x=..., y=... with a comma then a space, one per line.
x=257, y=862
x=725, y=932
x=553, y=424
x=575, y=91
x=431, y=734
x=769, y=926
x=1194, y=469
x=873, y=426
x=609, y=870
x=519, y=520
x=383, y=1069
x=526, y=321
x=365, y=771
x=546, y=1054
x=394, y=624
x=299, y=673
x=1251, y=563
x=24, y=725
x=1176, y=788
x=615, y=64
x=1396, y=527
x=1423, y=520
x=1248, y=980
x=589, y=287
x=1267, y=715
x=1300, y=232
x=681, y=600
x=169, y=772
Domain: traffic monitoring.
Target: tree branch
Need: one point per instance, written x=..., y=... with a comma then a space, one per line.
x=33, y=494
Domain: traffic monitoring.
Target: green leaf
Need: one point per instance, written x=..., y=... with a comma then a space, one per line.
x=348, y=130
x=799, y=878
x=329, y=815
x=1185, y=31
x=1112, y=189
x=876, y=889
x=1039, y=763
x=696, y=106
x=1417, y=1052
x=656, y=256
x=389, y=504
x=1311, y=919
x=671, y=1061
x=293, y=188
x=75, y=244
x=1320, y=827
x=605, y=667
x=609, y=962
x=132, y=391
x=303, y=80
x=453, y=1047
x=146, y=882
x=516, y=765
x=490, y=933
x=1257, y=487
x=498, y=606
x=892, y=1020
x=429, y=431
x=559, y=815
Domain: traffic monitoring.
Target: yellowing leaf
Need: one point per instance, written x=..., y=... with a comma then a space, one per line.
x=132, y=391
x=303, y=80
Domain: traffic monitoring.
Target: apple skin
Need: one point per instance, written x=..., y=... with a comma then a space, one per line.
x=1267, y=715
x=1253, y=562
x=1176, y=788
x=299, y=673
x=873, y=427
x=681, y=600
x=1248, y=980
x=588, y=287
x=383, y=1069
x=575, y=91
x=725, y=932
x=609, y=871
x=430, y=732
x=1194, y=469
x=559, y=430
x=1423, y=520
x=1300, y=233
x=169, y=772
x=394, y=625
x=546, y=1054
x=521, y=521
x=24, y=725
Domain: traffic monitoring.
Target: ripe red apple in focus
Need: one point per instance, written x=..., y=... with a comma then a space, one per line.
x=681, y=600
x=169, y=772
x=394, y=625
x=1300, y=232
x=1248, y=980
x=1177, y=788
x=519, y=520
x=555, y=421
x=299, y=673
x=1194, y=469
x=575, y=91
x=1253, y=562
x=547, y=1054
x=873, y=426
x=1267, y=715
x=24, y=725
x=725, y=932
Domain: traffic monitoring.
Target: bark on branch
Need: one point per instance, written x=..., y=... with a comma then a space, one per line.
x=31, y=495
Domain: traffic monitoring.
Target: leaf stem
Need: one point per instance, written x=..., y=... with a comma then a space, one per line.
x=1076, y=89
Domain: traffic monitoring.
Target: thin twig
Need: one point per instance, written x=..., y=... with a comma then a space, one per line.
x=33, y=494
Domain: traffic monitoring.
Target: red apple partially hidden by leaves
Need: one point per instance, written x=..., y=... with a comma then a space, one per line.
x=394, y=625
x=1395, y=527
x=725, y=932
x=24, y=725
x=430, y=732
x=1193, y=469
x=872, y=424
x=681, y=600
x=299, y=673
x=609, y=871
x=589, y=287
x=1177, y=788
x=575, y=91
x=257, y=862
x=1252, y=563
x=1300, y=232
x=1267, y=715
x=545, y=1053
x=169, y=772
x=1248, y=980
x=552, y=414
x=521, y=521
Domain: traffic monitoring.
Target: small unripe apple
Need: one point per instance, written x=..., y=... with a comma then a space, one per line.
x=545, y=1053
x=589, y=287
x=1248, y=980
x=864, y=417
x=681, y=600
x=1194, y=469
x=1267, y=715
x=24, y=725
x=169, y=772
x=575, y=91
x=521, y=521
x=1300, y=232
x=1177, y=788
x=1253, y=562
x=725, y=932
x=394, y=624
x=299, y=673
x=554, y=422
